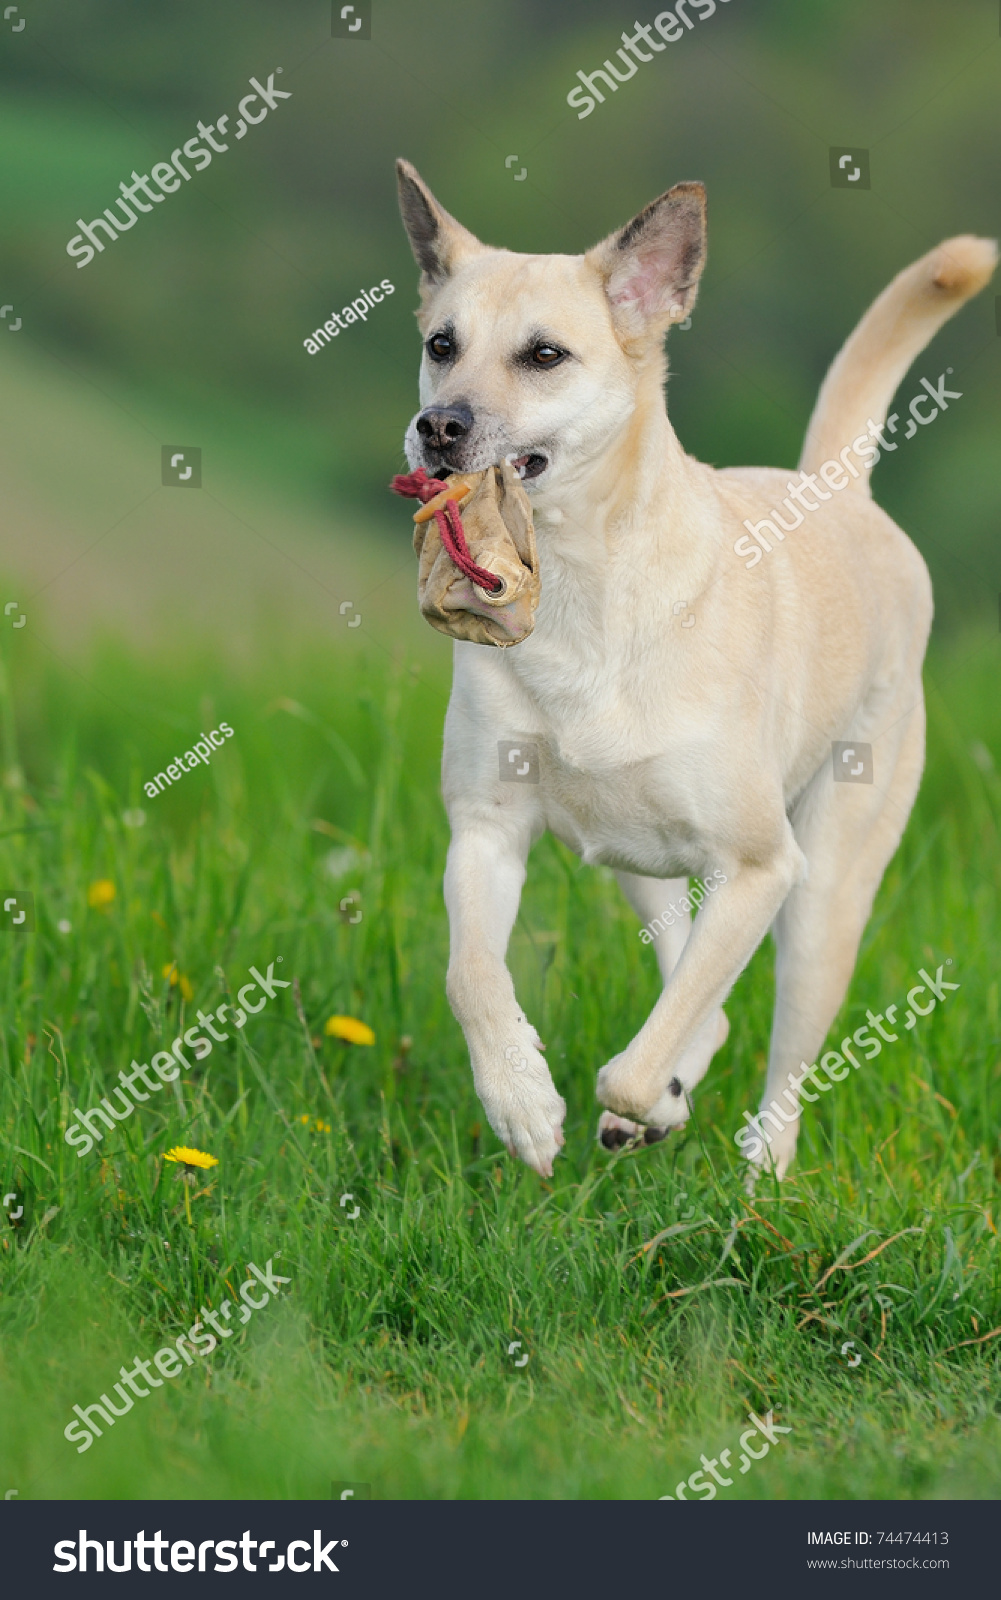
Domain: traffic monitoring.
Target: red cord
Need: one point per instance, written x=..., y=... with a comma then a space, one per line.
x=418, y=486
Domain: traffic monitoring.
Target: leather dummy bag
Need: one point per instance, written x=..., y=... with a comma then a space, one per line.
x=496, y=518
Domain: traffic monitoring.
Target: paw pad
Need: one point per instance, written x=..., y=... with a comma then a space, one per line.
x=615, y=1138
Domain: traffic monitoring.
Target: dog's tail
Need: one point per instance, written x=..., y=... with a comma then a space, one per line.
x=856, y=394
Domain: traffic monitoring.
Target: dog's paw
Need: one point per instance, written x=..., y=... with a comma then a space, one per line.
x=775, y=1158
x=654, y=1094
x=617, y=1133
x=622, y=1089
x=627, y=1092
x=672, y=1109
x=522, y=1105
x=530, y=1127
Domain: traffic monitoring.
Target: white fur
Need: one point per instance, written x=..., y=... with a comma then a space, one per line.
x=665, y=751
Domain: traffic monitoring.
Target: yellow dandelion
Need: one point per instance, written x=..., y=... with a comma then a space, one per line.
x=101, y=893
x=323, y=1127
x=349, y=1029
x=191, y=1158
x=304, y=1117
x=170, y=971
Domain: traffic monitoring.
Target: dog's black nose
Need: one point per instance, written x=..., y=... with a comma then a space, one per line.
x=442, y=426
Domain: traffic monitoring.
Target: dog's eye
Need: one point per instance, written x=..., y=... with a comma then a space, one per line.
x=547, y=355
x=440, y=347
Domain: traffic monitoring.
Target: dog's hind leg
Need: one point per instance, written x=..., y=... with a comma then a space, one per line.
x=848, y=833
x=652, y=900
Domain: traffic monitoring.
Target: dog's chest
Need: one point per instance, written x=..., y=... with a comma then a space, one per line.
x=639, y=816
x=621, y=763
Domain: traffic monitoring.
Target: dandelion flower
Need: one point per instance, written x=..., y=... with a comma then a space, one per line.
x=191, y=1158
x=101, y=893
x=170, y=970
x=349, y=1029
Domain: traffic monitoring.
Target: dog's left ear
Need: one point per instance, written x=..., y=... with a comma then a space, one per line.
x=651, y=267
x=440, y=243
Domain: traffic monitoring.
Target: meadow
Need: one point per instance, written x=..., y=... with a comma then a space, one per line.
x=657, y=1303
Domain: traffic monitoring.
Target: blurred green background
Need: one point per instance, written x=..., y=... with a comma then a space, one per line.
x=191, y=326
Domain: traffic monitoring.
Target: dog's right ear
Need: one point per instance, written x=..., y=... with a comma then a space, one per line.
x=439, y=243
x=651, y=268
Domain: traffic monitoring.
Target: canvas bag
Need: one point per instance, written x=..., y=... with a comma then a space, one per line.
x=497, y=521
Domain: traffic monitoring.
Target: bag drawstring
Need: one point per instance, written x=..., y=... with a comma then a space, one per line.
x=418, y=486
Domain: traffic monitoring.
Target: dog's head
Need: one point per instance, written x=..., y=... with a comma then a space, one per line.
x=538, y=359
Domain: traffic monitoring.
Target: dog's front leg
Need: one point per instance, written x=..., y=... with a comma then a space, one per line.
x=653, y=899
x=483, y=881
x=650, y=1080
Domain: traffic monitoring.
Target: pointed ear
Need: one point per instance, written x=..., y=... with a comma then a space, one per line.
x=651, y=267
x=439, y=243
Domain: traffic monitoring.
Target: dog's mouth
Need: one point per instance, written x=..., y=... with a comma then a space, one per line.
x=441, y=468
x=529, y=466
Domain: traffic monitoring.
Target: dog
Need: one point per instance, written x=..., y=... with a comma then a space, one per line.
x=668, y=751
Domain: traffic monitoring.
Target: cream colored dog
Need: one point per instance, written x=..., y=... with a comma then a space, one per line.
x=662, y=750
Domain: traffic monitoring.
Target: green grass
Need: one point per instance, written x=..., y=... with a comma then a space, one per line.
x=387, y=1359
